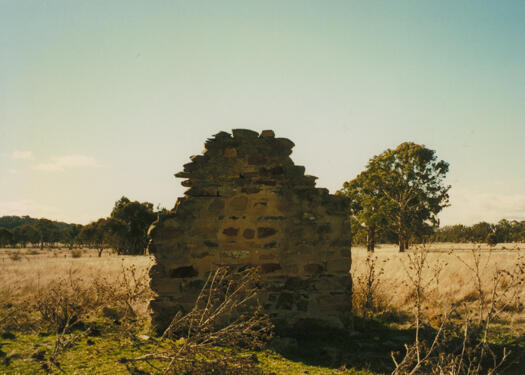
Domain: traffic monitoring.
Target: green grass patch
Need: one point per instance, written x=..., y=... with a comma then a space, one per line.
x=365, y=352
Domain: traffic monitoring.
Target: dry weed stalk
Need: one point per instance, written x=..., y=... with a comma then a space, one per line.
x=62, y=306
x=15, y=317
x=127, y=292
x=65, y=304
x=501, y=291
x=63, y=341
x=66, y=300
x=474, y=355
x=367, y=297
x=423, y=278
x=226, y=314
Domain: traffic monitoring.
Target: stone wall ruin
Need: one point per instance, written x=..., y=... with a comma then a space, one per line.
x=248, y=204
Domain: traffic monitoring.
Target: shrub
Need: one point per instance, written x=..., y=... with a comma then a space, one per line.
x=367, y=296
x=492, y=239
x=65, y=301
x=14, y=256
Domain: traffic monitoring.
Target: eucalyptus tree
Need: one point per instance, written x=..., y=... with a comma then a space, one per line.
x=26, y=233
x=6, y=237
x=137, y=217
x=93, y=235
x=48, y=231
x=367, y=206
x=480, y=231
x=70, y=235
x=115, y=234
x=410, y=183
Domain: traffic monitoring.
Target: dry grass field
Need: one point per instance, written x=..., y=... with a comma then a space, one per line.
x=451, y=275
x=27, y=271
x=456, y=281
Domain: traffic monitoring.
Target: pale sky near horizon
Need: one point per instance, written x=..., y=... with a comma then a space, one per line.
x=100, y=99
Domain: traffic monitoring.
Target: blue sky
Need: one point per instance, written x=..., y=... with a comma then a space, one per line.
x=100, y=99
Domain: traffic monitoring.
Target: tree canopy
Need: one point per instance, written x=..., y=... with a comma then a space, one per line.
x=125, y=230
x=367, y=207
x=48, y=231
x=135, y=218
x=501, y=232
x=401, y=189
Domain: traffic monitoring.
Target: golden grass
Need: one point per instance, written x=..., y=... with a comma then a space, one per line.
x=456, y=282
x=35, y=269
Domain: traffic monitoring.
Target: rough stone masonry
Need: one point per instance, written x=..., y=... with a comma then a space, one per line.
x=248, y=204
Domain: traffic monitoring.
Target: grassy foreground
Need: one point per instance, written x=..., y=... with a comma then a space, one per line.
x=112, y=292
x=102, y=351
x=102, y=355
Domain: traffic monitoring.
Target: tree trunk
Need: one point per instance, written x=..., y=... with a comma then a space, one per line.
x=371, y=238
x=401, y=245
x=401, y=235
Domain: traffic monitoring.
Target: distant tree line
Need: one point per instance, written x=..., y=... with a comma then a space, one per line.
x=502, y=232
x=125, y=230
x=11, y=222
x=21, y=231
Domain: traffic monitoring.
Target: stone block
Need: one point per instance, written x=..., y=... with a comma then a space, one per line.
x=231, y=232
x=244, y=134
x=263, y=232
x=267, y=134
x=239, y=203
x=270, y=267
x=230, y=152
x=216, y=207
x=338, y=265
x=248, y=233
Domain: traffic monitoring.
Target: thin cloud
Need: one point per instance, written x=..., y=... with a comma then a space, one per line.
x=469, y=207
x=61, y=163
x=22, y=155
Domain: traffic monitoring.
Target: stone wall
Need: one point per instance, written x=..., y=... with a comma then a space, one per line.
x=248, y=204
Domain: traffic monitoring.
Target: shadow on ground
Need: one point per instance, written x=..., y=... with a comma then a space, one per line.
x=369, y=347
x=517, y=365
